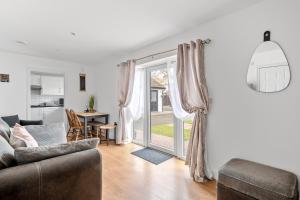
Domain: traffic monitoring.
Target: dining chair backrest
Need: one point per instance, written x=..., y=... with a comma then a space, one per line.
x=75, y=120
x=69, y=117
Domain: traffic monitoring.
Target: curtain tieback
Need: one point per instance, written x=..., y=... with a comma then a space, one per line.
x=202, y=111
x=121, y=106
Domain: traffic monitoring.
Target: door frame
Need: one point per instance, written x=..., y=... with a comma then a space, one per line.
x=49, y=71
x=178, y=124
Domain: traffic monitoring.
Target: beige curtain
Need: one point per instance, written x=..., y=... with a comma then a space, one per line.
x=125, y=87
x=194, y=99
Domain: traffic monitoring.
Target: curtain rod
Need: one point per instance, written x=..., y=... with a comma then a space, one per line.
x=207, y=41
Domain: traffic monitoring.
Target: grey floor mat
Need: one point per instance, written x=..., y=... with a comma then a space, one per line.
x=154, y=156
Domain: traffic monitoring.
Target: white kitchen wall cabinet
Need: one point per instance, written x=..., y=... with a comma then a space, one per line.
x=36, y=80
x=52, y=85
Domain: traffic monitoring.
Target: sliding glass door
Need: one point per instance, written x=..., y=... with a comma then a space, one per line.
x=158, y=127
x=162, y=123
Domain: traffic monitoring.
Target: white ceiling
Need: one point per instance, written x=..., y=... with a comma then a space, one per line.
x=102, y=27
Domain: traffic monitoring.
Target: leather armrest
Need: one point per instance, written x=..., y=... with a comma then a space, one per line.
x=73, y=176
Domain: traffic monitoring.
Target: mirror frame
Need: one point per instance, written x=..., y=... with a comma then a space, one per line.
x=267, y=36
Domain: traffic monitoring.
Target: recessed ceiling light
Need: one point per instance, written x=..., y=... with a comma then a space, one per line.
x=73, y=34
x=20, y=42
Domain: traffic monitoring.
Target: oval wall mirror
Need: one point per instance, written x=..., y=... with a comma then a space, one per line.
x=269, y=69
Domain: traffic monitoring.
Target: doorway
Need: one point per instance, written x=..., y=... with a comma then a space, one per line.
x=162, y=122
x=158, y=127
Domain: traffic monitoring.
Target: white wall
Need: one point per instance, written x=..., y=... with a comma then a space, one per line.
x=13, y=99
x=242, y=123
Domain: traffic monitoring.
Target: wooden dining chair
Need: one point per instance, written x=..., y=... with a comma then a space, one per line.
x=70, y=130
x=78, y=126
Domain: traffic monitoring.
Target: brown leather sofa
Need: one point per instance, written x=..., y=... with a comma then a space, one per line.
x=74, y=176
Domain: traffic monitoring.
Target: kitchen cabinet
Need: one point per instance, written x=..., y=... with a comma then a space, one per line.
x=49, y=115
x=36, y=113
x=53, y=115
x=36, y=80
x=52, y=85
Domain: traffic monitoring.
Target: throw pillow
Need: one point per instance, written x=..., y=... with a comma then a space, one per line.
x=11, y=120
x=4, y=129
x=25, y=155
x=16, y=142
x=6, y=154
x=19, y=132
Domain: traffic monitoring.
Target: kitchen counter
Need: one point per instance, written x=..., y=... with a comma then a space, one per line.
x=42, y=106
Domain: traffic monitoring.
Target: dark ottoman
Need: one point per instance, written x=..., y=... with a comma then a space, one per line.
x=241, y=180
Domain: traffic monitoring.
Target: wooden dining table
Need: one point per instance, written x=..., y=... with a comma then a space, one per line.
x=92, y=115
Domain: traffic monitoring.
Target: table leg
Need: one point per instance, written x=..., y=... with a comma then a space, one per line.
x=85, y=127
x=107, y=131
x=107, y=137
x=115, y=133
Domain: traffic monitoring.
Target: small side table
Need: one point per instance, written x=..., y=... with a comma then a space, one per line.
x=107, y=127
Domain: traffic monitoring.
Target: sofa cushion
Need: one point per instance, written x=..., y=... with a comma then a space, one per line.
x=48, y=134
x=25, y=155
x=20, y=133
x=11, y=120
x=6, y=154
x=258, y=181
x=4, y=129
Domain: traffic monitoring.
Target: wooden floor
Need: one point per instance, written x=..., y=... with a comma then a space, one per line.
x=127, y=177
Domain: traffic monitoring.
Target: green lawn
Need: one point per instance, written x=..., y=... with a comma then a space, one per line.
x=188, y=121
x=167, y=130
